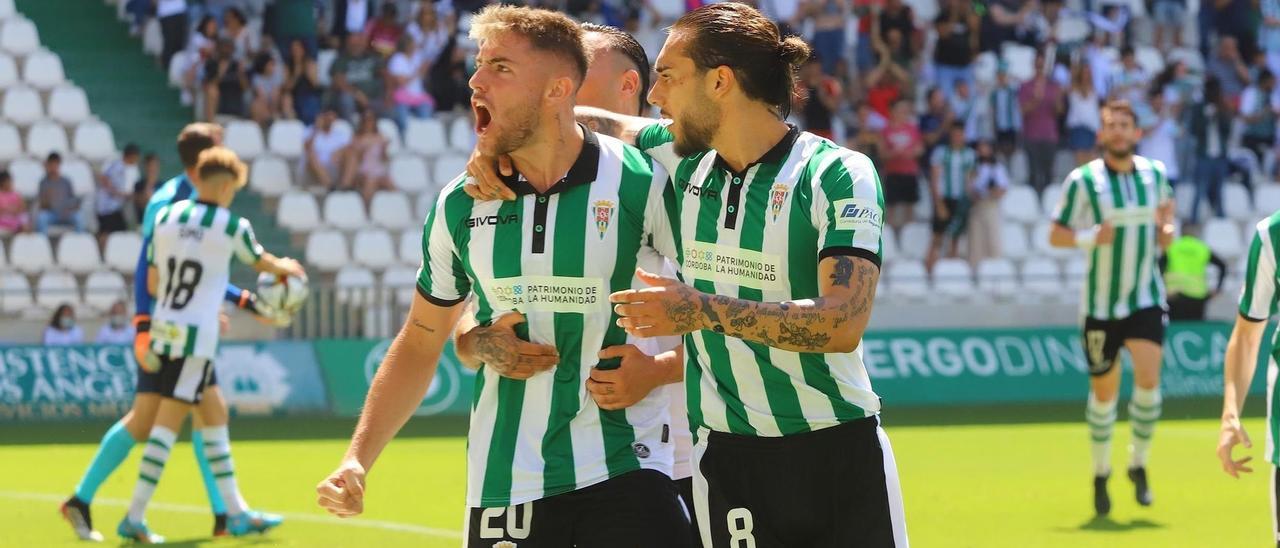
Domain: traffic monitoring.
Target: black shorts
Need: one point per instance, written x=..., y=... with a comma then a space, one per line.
x=112, y=222
x=1007, y=138
x=685, y=488
x=638, y=509
x=901, y=189
x=1102, y=339
x=832, y=487
x=149, y=383
x=957, y=220
x=183, y=378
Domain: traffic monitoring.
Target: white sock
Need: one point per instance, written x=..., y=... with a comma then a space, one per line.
x=1144, y=411
x=1101, y=417
x=217, y=448
x=154, y=455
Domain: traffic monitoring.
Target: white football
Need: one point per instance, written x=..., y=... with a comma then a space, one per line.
x=284, y=295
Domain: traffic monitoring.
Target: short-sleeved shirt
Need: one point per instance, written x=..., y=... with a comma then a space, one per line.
x=361, y=72
x=1123, y=276
x=955, y=166
x=897, y=138
x=1041, y=122
x=62, y=195
x=555, y=256
x=759, y=235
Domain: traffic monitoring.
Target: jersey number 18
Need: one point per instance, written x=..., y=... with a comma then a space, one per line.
x=183, y=279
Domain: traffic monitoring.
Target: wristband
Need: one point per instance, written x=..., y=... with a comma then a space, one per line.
x=142, y=323
x=1087, y=238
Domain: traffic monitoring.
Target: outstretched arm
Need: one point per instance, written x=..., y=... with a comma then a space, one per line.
x=611, y=123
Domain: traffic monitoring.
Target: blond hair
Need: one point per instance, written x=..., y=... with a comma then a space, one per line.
x=548, y=31
x=219, y=162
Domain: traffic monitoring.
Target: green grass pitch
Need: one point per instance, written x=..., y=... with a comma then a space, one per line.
x=1015, y=477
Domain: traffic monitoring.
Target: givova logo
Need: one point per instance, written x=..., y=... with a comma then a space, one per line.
x=858, y=214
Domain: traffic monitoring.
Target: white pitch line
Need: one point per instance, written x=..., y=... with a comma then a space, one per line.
x=309, y=518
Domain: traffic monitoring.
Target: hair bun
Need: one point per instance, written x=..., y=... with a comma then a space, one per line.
x=794, y=50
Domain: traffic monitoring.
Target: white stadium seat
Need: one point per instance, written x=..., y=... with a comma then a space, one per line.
x=908, y=279
x=354, y=284
x=1041, y=279
x=888, y=244
x=1266, y=200
x=391, y=210
x=1150, y=59
x=19, y=37
x=409, y=173
x=43, y=70
x=952, y=278
x=270, y=176
x=1021, y=60
x=447, y=168
x=244, y=138
x=1074, y=274
x=285, y=138
x=68, y=105
x=913, y=241
x=30, y=252
x=103, y=288
x=78, y=253
x=327, y=250
x=8, y=10
x=8, y=71
x=22, y=106
x=324, y=62
x=1040, y=243
x=298, y=212
x=1183, y=197
x=152, y=37
x=1224, y=238
x=1235, y=202
x=15, y=293
x=122, y=251
x=388, y=129
x=343, y=127
x=26, y=176
x=45, y=137
x=402, y=281
x=1021, y=204
x=426, y=201
x=462, y=134
x=80, y=174
x=4, y=257
x=373, y=248
x=998, y=278
x=56, y=288
x=10, y=142
x=411, y=248
x=345, y=211
x=1013, y=241
x=1049, y=198
x=1072, y=29
x=425, y=136
x=94, y=141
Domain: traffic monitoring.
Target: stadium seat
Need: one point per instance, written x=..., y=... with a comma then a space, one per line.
x=7, y=10
x=462, y=134
x=80, y=174
x=1049, y=198
x=1013, y=241
x=998, y=278
x=30, y=252
x=447, y=168
x=1150, y=59
x=345, y=211
x=19, y=37
x=1021, y=204
x=103, y=288
x=411, y=248
x=1074, y=274
x=425, y=136
x=270, y=176
x=1266, y=200
x=354, y=285
x=1071, y=29
x=94, y=141
x=952, y=278
x=327, y=250
x=1040, y=243
x=8, y=72
x=245, y=139
x=391, y=210
x=984, y=68
x=388, y=129
x=122, y=251
x=285, y=138
x=1224, y=238
x=1041, y=280
x=1021, y=60
x=401, y=281
x=888, y=244
x=1236, y=204
x=43, y=70
x=10, y=142
x=908, y=280
x=1188, y=56
x=1184, y=195
x=298, y=212
x=426, y=201
x=4, y=257
x=409, y=173
x=152, y=37
x=26, y=176
x=343, y=127
x=78, y=253
x=15, y=293
x=45, y=137
x=324, y=63
x=22, y=106
x=372, y=247
x=913, y=240
x=55, y=288
x=68, y=105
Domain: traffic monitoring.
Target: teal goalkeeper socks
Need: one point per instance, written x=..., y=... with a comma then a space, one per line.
x=112, y=451
x=206, y=473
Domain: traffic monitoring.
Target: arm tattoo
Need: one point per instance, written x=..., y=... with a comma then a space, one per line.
x=495, y=349
x=418, y=324
x=843, y=271
x=600, y=124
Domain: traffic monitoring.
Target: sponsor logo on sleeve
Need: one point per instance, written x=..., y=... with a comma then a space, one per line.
x=858, y=214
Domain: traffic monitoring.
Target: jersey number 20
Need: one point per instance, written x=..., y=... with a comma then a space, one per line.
x=183, y=279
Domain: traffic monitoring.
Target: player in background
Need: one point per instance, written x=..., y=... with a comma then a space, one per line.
x=778, y=396
x=1118, y=209
x=134, y=427
x=189, y=256
x=617, y=80
x=546, y=465
x=1257, y=305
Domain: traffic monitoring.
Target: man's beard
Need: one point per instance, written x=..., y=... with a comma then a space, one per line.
x=1119, y=153
x=517, y=133
x=697, y=130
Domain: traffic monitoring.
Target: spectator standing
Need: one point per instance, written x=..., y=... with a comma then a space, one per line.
x=1160, y=138
x=990, y=181
x=291, y=20
x=902, y=147
x=951, y=168
x=1229, y=68
x=350, y=17
x=117, y=330
x=146, y=185
x=115, y=189
x=1259, y=109
x=1083, y=116
x=934, y=122
x=430, y=33
x=821, y=99
x=1041, y=102
x=62, y=329
x=1168, y=16
x=1185, y=265
x=385, y=31
x=885, y=85
x=323, y=147
x=867, y=133
x=966, y=108
x=365, y=167
x=357, y=78
x=225, y=84
x=1211, y=126
x=405, y=71
x=57, y=201
x=1001, y=21
x=236, y=29
x=13, y=209
x=303, y=90
x=1128, y=81
x=270, y=102
x=1006, y=115
x=172, y=15
x=957, y=45
x=1269, y=33
x=829, y=17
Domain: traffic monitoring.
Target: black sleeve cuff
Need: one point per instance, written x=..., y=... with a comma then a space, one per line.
x=443, y=303
x=1249, y=318
x=847, y=251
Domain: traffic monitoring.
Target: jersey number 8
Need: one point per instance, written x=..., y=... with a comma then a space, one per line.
x=183, y=279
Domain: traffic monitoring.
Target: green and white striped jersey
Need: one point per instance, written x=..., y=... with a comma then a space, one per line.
x=555, y=257
x=956, y=167
x=1258, y=303
x=1122, y=276
x=192, y=245
x=759, y=235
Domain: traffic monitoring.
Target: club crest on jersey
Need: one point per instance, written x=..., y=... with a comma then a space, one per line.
x=603, y=213
x=777, y=197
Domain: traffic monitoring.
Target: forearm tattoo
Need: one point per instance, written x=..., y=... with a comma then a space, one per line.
x=684, y=313
x=496, y=349
x=600, y=124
